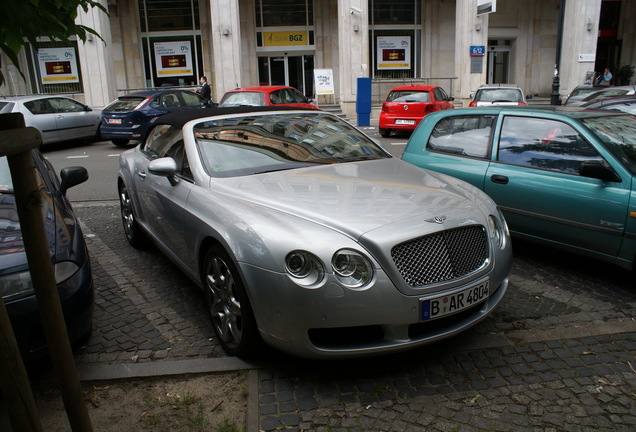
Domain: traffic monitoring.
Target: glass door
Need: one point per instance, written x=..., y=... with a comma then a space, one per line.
x=498, y=69
x=291, y=70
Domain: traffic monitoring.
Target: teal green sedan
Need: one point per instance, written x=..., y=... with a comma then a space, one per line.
x=562, y=176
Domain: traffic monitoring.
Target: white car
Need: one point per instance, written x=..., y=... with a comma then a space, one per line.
x=498, y=94
x=307, y=235
x=58, y=118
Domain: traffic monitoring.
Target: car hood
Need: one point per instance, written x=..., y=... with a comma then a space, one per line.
x=12, y=253
x=359, y=197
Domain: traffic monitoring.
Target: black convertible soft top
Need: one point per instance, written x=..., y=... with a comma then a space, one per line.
x=178, y=119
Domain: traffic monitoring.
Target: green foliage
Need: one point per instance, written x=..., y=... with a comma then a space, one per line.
x=26, y=20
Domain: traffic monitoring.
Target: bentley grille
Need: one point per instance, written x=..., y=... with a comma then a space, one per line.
x=442, y=256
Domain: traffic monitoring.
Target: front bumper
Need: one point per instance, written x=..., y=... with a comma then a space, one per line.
x=332, y=321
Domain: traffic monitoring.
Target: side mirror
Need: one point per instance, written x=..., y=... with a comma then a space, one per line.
x=164, y=167
x=529, y=96
x=72, y=176
x=599, y=170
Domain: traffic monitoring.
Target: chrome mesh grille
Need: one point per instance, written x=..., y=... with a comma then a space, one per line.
x=441, y=256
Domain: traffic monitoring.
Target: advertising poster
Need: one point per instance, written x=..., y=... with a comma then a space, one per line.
x=58, y=65
x=173, y=59
x=324, y=81
x=394, y=52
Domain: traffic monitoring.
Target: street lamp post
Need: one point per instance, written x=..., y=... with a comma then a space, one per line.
x=555, y=100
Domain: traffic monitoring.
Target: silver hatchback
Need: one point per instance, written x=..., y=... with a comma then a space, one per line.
x=305, y=234
x=58, y=118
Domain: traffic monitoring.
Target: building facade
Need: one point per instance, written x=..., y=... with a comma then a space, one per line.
x=322, y=47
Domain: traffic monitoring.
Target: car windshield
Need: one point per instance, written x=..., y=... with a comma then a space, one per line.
x=498, y=95
x=618, y=133
x=6, y=107
x=243, y=99
x=125, y=103
x=6, y=183
x=409, y=96
x=238, y=146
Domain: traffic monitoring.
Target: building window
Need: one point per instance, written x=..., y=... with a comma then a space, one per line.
x=393, y=12
x=169, y=15
x=279, y=13
x=395, y=38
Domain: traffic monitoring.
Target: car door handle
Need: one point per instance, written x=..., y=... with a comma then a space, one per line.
x=142, y=174
x=499, y=179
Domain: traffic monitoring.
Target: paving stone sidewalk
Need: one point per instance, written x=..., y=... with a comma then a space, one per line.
x=559, y=353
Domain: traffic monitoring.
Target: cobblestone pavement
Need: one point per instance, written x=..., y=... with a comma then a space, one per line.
x=559, y=353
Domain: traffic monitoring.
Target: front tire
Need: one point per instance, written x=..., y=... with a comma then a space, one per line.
x=120, y=142
x=135, y=236
x=228, y=305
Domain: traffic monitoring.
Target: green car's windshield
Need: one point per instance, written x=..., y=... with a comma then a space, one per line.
x=244, y=145
x=618, y=133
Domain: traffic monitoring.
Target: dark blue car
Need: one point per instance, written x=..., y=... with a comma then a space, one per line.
x=130, y=116
x=69, y=256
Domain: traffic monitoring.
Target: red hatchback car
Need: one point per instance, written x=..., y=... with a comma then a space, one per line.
x=406, y=105
x=268, y=95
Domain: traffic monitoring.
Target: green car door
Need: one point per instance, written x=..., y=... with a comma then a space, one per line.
x=536, y=180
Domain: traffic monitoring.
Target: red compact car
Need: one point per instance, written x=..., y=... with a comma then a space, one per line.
x=268, y=95
x=406, y=105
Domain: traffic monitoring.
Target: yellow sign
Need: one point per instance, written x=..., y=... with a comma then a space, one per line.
x=271, y=39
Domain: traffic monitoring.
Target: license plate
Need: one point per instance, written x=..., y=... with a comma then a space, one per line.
x=449, y=304
x=114, y=121
x=406, y=122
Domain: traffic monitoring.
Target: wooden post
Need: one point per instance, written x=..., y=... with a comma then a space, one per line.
x=16, y=145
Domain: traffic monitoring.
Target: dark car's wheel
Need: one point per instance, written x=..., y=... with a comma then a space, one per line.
x=385, y=132
x=121, y=142
x=227, y=302
x=134, y=234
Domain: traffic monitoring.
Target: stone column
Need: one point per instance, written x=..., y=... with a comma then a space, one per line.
x=96, y=58
x=353, y=47
x=578, y=47
x=226, y=46
x=470, y=30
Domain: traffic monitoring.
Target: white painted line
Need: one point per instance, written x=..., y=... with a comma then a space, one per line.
x=77, y=157
x=113, y=155
x=398, y=143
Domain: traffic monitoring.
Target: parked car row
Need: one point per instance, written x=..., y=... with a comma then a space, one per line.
x=289, y=219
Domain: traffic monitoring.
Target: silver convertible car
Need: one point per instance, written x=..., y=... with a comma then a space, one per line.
x=306, y=235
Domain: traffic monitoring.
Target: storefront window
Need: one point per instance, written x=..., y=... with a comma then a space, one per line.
x=55, y=68
x=394, y=53
x=278, y=13
x=167, y=15
x=172, y=61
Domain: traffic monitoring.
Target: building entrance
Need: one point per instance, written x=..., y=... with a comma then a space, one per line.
x=291, y=70
x=498, y=68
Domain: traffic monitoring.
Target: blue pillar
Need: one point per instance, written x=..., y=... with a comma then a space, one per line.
x=363, y=102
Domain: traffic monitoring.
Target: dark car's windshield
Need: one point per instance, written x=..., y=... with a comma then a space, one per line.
x=6, y=107
x=6, y=183
x=261, y=143
x=619, y=135
x=127, y=103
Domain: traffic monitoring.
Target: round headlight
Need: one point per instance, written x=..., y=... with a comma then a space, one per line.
x=498, y=230
x=304, y=268
x=351, y=268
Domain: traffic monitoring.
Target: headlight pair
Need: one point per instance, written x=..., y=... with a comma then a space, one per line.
x=351, y=268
